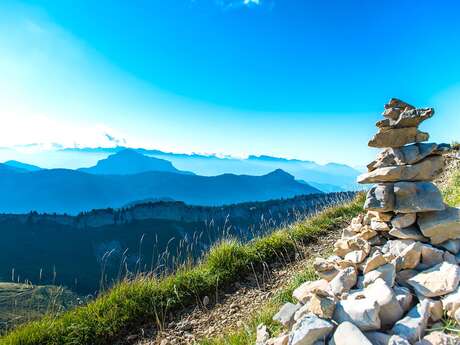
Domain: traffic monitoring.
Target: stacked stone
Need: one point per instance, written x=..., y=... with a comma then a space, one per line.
x=395, y=271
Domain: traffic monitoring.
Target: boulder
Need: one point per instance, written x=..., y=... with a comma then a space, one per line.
x=409, y=258
x=285, y=315
x=386, y=272
x=404, y=297
x=431, y=256
x=380, y=216
x=407, y=118
x=364, y=313
x=347, y=333
x=344, y=281
x=404, y=220
x=413, y=197
x=378, y=338
x=439, y=338
x=426, y=170
x=374, y=261
x=309, y=329
x=436, y=281
x=441, y=225
x=325, y=269
x=356, y=256
x=452, y=246
x=304, y=291
x=397, y=137
x=451, y=302
x=406, y=155
x=377, y=225
x=322, y=305
x=344, y=246
x=380, y=198
x=390, y=309
x=403, y=276
x=412, y=327
x=262, y=335
x=410, y=233
x=395, y=107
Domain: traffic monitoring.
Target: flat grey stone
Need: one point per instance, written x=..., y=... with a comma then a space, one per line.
x=285, y=315
x=310, y=329
x=410, y=233
x=380, y=198
x=426, y=170
x=409, y=154
x=441, y=225
x=413, y=197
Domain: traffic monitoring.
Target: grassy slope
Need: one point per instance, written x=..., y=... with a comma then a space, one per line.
x=131, y=303
x=247, y=335
x=20, y=303
x=452, y=192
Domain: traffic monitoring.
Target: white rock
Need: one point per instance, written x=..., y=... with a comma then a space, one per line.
x=451, y=302
x=386, y=272
x=377, y=225
x=344, y=281
x=439, y=338
x=409, y=257
x=436, y=281
x=347, y=333
x=356, y=256
x=364, y=313
x=374, y=261
x=303, y=292
x=310, y=329
x=397, y=340
x=390, y=309
x=262, y=335
x=412, y=327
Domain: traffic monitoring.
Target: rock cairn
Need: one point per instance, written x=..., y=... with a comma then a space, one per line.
x=395, y=271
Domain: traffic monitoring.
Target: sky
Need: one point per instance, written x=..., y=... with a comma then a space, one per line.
x=289, y=78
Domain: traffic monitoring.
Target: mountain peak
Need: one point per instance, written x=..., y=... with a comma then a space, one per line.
x=129, y=162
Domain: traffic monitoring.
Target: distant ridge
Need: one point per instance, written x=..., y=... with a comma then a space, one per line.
x=328, y=177
x=22, y=166
x=128, y=162
x=70, y=191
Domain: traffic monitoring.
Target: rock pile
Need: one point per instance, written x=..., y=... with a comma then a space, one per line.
x=395, y=271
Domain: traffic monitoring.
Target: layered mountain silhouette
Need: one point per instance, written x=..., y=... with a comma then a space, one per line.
x=71, y=191
x=329, y=177
x=128, y=162
x=19, y=166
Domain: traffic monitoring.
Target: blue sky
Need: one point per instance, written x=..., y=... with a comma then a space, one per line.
x=292, y=78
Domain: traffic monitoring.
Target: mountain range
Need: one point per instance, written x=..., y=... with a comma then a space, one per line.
x=331, y=177
x=124, y=178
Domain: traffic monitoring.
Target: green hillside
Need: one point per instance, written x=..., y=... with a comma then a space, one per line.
x=130, y=303
x=20, y=303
